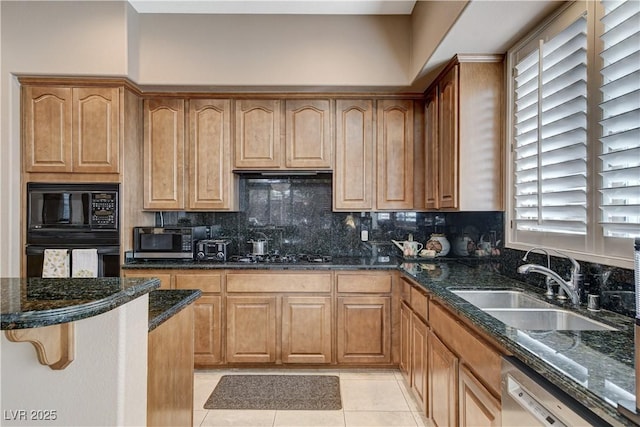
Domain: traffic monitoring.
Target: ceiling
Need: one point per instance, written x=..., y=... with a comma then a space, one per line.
x=286, y=7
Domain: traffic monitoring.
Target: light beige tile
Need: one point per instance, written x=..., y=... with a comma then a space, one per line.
x=379, y=419
x=203, y=385
x=198, y=417
x=309, y=419
x=229, y=418
x=414, y=404
x=370, y=374
x=421, y=419
x=372, y=395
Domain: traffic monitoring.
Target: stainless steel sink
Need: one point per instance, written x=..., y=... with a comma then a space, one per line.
x=486, y=299
x=520, y=310
x=547, y=319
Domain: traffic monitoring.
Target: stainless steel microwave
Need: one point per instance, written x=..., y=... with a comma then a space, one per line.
x=166, y=242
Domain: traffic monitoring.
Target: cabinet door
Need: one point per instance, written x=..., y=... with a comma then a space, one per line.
x=308, y=134
x=96, y=130
x=207, y=337
x=364, y=329
x=211, y=181
x=477, y=406
x=163, y=154
x=405, y=342
x=47, y=128
x=395, y=155
x=443, y=384
x=258, y=138
x=448, y=140
x=431, y=166
x=306, y=329
x=251, y=329
x=419, y=357
x=353, y=173
x=207, y=314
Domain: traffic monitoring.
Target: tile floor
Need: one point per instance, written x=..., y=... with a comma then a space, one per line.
x=370, y=398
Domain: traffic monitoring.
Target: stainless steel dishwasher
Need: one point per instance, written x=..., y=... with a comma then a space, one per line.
x=528, y=399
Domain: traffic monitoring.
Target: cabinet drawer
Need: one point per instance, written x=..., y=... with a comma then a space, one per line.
x=473, y=350
x=419, y=303
x=364, y=283
x=278, y=282
x=205, y=282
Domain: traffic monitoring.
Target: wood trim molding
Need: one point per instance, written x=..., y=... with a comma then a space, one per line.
x=55, y=344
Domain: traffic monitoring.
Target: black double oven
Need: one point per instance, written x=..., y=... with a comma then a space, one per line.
x=73, y=216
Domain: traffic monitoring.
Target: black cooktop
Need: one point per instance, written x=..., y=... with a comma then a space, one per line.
x=281, y=259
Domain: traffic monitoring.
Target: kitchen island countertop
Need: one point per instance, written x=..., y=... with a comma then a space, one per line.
x=165, y=303
x=34, y=302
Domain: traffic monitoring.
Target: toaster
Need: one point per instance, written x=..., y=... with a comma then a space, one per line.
x=212, y=250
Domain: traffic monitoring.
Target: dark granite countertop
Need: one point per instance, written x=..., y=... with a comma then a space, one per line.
x=165, y=303
x=35, y=302
x=337, y=263
x=594, y=367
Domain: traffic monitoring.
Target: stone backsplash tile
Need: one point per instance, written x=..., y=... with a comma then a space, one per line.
x=295, y=215
x=614, y=285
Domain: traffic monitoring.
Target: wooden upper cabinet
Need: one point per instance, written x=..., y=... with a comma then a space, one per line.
x=211, y=180
x=431, y=200
x=308, y=134
x=463, y=136
x=353, y=177
x=448, y=140
x=71, y=129
x=163, y=154
x=258, y=139
x=96, y=130
x=47, y=128
x=395, y=154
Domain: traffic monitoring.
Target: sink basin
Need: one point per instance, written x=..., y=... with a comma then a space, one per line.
x=547, y=319
x=486, y=299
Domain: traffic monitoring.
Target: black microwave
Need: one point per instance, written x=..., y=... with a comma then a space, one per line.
x=72, y=212
x=166, y=242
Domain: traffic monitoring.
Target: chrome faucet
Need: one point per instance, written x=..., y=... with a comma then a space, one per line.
x=571, y=287
x=548, y=281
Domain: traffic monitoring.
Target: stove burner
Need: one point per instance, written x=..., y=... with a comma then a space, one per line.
x=315, y=258
x=281, y=259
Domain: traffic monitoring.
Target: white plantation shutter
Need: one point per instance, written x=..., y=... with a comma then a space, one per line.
x=550, y=134
x=620, y=138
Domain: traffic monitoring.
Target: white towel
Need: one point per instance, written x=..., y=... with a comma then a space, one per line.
x=84, y=263
x=56, y=263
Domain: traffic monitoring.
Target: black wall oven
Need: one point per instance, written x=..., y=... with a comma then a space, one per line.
x=73, y=216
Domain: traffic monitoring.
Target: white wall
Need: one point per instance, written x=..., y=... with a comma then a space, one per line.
x=274, y=50
x=105, y=385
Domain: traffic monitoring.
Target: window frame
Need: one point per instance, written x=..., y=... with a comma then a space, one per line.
x=593, y=246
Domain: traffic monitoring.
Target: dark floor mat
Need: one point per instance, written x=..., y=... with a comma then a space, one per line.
x=281, y=392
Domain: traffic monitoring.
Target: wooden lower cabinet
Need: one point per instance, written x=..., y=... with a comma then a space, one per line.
x=306, y=329
x=477, y=406
x=419, y=360
x=251, y=329
x=170, y=372
x=364, y=329
x=443, y=383
x=207, y=310
x=405, y=341
x=207, y=338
